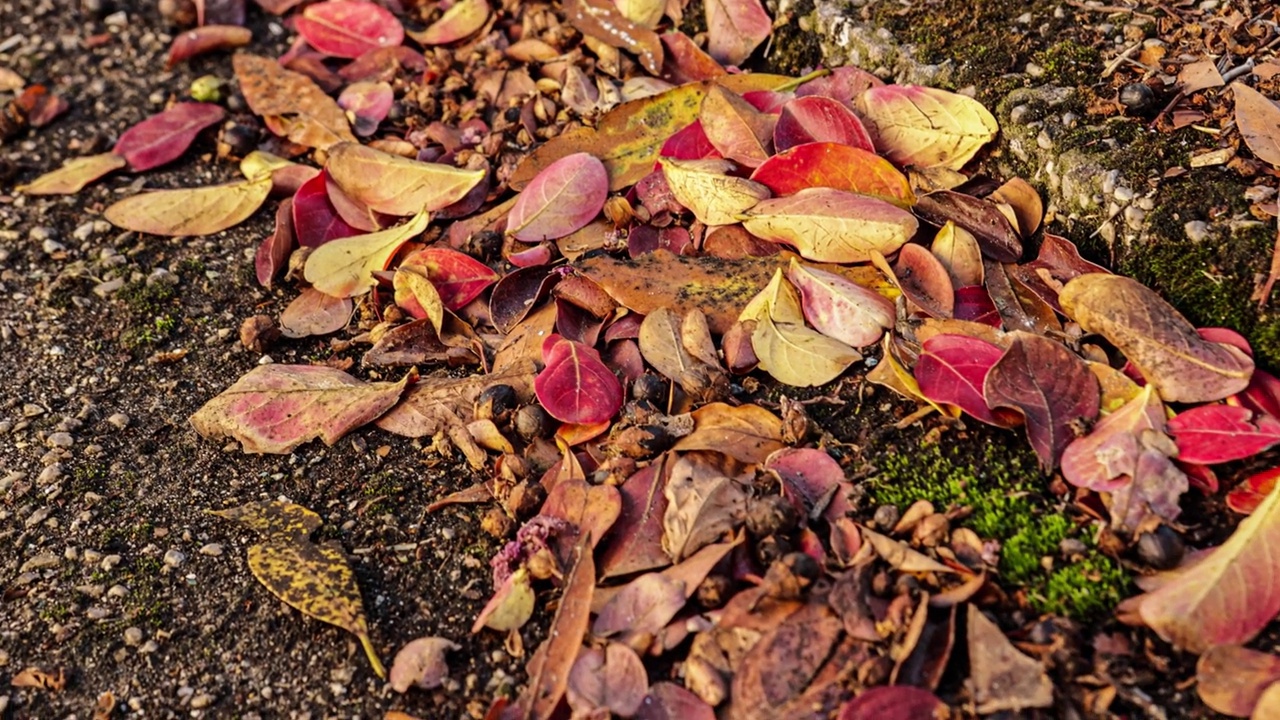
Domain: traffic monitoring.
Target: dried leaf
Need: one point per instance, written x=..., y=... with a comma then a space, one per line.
x=460, y=20
x=36, y=678
x=796, y=355
x=576, y=386
x=643, y=606
x=348, y=28
x=1052, y=388
x=832, y=225
x=735, y=128
x=368, y=103
x=190, y=211
x=415, y=294
x=315, y=313
x=922, y=278
x=1259, y=121
x=1003, y=678
x=459, y=278
x=706, y=189
x=74, y=175
x=345, y=267
x=1211, y=434
x=925, y=127
x=274, y=251
x=635, y=541
x=306, y=113
x=735, y=28
x=1026, y=203
x=957, y=249
x=274, y=518
x=668, y=701
x=612, y=679
x=748, y=433
x=1156, y=338
x=421, y=664
x=394, y=185
x=1230, y=679
x=900, y=555
x=894, y=702
x=315, y=219
x=836, y=166
x=780, y=677
x=838, y=308
x=164, y=137
x=208, y=38
x=953, y=368
x=601, y=19
x=563, y=198
x=995, y=235
x=275, y=408
x=703, y=507
x=511, y=605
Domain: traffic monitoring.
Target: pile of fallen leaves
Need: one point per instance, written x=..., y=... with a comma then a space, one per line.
x=616, y=230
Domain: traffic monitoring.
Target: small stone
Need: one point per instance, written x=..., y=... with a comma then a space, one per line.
x=97, y=613
x=212, y=550
x=60, y=440
x=1123, y=194
x=1071, y=547
x=83, y=232
x=161, y=276
x=1134, y=216
x=1196, y=230
x=1033, y=70
x=49, y=475
x=887, y=516
x=41, y=561
x=1018, y=113
x=36, y=517
x=91, y=557
x=1043, y=141
x=1161, y=549
x=174, y=558
x=133, y=636
x=149, y=647
x=1109, y=181
x=108, y=288
x=41, y=233
x=118, y=592
x=51, y=247
x=201, y=701
x=110, y=562
x=118, y=421
x=1137, y=98
x=30, y=410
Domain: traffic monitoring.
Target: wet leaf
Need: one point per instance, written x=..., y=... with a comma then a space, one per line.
x=706, y=189
x=894, y=702
x=306, y=113
x=1230, y=678
x=814, y=118
x=1229, y=596
x=838, y=308
x=1003, y=678
x=74, y=175
x=836, y=166
x=394, y=185
x=748, y=433
x=1052, y=388
x=832, y=225
x=735, y=28
x=348, y=28
x=611, y=679
x=602, y=20
x=314, y=313
x=460, y=20
x=190, y=211
x=995, y=235
x=205, y=39
x=1211, y=434
x=345, y=267
x=563, y=198
x=315, y=220
x=1259, y=121
x=421, y=664
x=576, y=386
x=953, y=368
x=275, y=408
x=925, y=127
x=735, y=128
x=164, y=137
x=1156, y=338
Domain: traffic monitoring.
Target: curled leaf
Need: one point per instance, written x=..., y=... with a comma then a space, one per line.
x=208, y=38
x=925, y=127
x=460, y=20
x=345, y=267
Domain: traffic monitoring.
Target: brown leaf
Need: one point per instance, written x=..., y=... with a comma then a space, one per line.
x=1002, y=677
x=421, y=413
x=748, y=433
x=704, y=503
x=996, y=236
x=782, y=676
x=36, y=678
x=612, y=679
x=635, y=541
x=602, y=20
x=314, y=313
x=735, y=128
x=1156, y=338
x=1259, y=121
x=309, y=116
x=1231, y=678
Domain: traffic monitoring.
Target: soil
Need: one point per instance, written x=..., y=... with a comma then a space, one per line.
x=111, y=568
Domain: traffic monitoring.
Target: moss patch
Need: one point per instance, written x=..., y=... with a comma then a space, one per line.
x=1002, y=486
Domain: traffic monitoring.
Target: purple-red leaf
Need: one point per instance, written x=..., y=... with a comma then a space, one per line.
x=315, y=220
x=274, y=251
x=348, y=28
x=953, y=368
x=819, y=119
x=563, y=198
x=459, y=278
x=162, y=138
x=1212, y=434
x=198, y=41
x=689, y=143
x=576, y=386
x=893, y=702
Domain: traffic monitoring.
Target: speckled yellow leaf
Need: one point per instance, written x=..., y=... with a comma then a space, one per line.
x=274, y=518
x=190, y=211
x=798, y=355
x=706, y=188
x=73, y=175
x=394, y=185
x=925, y=127
x=345, y=267
x=778, y=300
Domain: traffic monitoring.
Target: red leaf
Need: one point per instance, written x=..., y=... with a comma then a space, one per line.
x=576, y=386
x=564, y=197
x=893, y=702
x=315, y=219
x=1248, y=495
x=1263, y=394
x=1212, y=434
x=1050, y=385
x=274, y=251
x=689, y=143
x=162, y=138
x=40, y=106
x=832, y=165
x=843, y=84
x=459, y=278
x=348, y=28
x=205, y=39
x=819, y=119
x=973, y=302
x=953, y=368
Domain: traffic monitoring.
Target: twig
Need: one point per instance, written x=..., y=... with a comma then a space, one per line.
x=1114, y=64
x=1244, y=69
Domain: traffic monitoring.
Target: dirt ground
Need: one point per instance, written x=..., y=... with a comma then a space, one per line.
x=110, y=567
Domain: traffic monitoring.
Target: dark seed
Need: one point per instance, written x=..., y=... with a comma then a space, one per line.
x=532, y=422
x=497, y=403
x=1161, y=549
x=650, y=387
x=770, y=515
x=1137, y=98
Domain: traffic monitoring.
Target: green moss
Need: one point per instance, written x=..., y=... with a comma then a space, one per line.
x=1002, y=486
x=792, y=49
x=147, y=299
x=1069, y=63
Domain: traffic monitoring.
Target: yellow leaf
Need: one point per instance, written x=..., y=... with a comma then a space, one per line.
x=925, y=127
x=714, y=197
x=831, y=225
x=394, y=185
x=415, y=293
x=73, y=175
x=190, y=211
x=274, y=518
x=778, y=300
x=797, y=355
x=645, y=13
x=292, y=103
x=259, y=163
x=345, y=267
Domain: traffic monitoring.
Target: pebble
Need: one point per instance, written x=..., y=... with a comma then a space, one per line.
x=36, y=517
x=6, y=426
x=118, y=421
x=60, y=440
x=1034, y=70
x=149, y=647
x=174, y=558
x=1196, y=230
x=212, y=550
x=1044, y=141
x=201, y=701
x=30, y=410
x=133, y=636
x=97, y=613
x=41, y=233
x=83, y=232
x=108, y=288
x=1123, y=194
x=1134, y=216
x=1109, y=181
x=161, y=276
x=110, y=562
x=118, y=592
x=52, y=246
x=50, y=474
x=41, y=561
x=887, y=516
x=91, y=557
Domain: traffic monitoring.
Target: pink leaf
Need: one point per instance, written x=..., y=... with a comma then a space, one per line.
x=668, y=701
x=576, y=386
x=209, y=38
x=348, y=28
x=1212, y=434
x=421, y=663
x=459, y=278
x=1263, y=394
x=162, y=138
x=953, y=368
x=735, y=28
x=563, y=198
x=369, y=102
x=843, y=84
x=841, y=309
x=611, y=680
x=315, y=219
x=689, y=143
x=819, y=119
x=893, y=702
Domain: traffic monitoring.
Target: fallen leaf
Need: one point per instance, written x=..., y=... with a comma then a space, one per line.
x=996, y=236
x=635, y=541
x=601, y=19
x=306, y=113
x=706, y=189
x=1003, y=678
x=612, y=679
x=369, y=103
x=273, y=252
x=33, y=677
x=843, y=84
x=643, y=606
x=315, y=313
x=922, y=278
x=925, y=127
x=685, y=61
x=958, y=251
x=814, y=118
x=208, y=38
x=274, y=518
x=1211, y=434
x=164, y=137
x=735, y=128
x=587, y=509
x=315, y=219
x=661, y=345
x=894, y=702
x=394, y=185
x=689, y=143
x=668, y=701
x=832, y=225
x=735, y=28
x=190, y=211
x=781, y=675
x=459, y=278
x=460, y=20
x=415, y=294
x=74, y=175
x=348, y=28
x=345, y=267
x=1268, y=706
x=704, y=504
x=796, y=355
x=1027, y=205
x=1259, y=121
x=836, y=166
x=748, y=433
x=510, y=607
x=900, y=555
x=1156, y=338
x=1050, y=385
x=1249, y=494
x=421, y=664
x=576, y=386
x=276, y=408
x=1230, y=679
x=563, y=198
x=840, y=309
x=953, y=369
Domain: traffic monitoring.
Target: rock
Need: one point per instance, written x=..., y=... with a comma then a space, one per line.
x=41, y=561
x=1196, y=230
x=110, y=562
x=201, y=701
x=49, y=475
x=118, y=592
x=212, y=550
x=133, y=636
x=60, y=440
x=174, y=558
x=119, y=421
